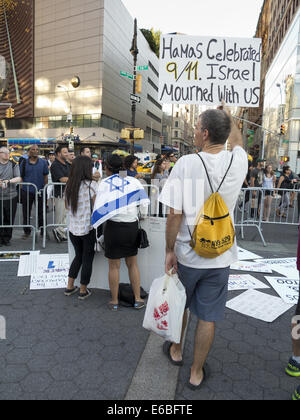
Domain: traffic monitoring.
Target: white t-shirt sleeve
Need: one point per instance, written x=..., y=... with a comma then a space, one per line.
x=172, y=193
x=241, y=156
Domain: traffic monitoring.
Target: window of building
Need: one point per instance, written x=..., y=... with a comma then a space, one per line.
x=154, y=117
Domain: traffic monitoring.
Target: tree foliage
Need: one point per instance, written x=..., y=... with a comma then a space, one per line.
x=153, y=38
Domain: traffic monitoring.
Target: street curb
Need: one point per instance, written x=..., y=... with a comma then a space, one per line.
x=155, y=377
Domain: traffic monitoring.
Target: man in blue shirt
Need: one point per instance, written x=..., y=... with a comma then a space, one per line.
x=34, y=171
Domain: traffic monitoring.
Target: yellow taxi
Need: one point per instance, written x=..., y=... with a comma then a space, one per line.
x=146, y=168
x=15, y=156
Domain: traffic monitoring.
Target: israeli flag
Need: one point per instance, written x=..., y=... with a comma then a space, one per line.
x=115, y=195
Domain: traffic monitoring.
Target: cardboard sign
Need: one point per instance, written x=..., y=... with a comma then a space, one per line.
x=207, y=70
x=288, y=289
x=244, y=282
x=252, y=267
x=244, y=255
x=51, y=272
x=259, y=305
x=285, y=266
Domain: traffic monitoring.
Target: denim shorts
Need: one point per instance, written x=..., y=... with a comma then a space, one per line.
x=206, y=291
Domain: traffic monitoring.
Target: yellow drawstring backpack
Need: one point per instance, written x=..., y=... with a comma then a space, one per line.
x=214, y=233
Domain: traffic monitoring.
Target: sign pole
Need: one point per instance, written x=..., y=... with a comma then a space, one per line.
x=134, y=51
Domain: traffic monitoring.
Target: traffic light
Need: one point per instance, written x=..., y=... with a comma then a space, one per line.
x=125, y=134
x=139, y=83
x=286, y=159
x=71, y=130
x=10, y=113
x=282, y=129
x=139, y=134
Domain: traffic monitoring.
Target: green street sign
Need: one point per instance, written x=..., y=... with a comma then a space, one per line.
x=128, y=75
x=141, y=68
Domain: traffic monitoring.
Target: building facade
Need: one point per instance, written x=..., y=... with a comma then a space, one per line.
x=274, y=25
x=90, y=39
x=282, y=101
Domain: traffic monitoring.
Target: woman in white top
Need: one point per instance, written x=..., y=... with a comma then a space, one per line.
x=121, y=241
x=269, y=182
x=80, y=195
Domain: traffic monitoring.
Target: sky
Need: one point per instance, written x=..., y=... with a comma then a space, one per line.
x=230, y=18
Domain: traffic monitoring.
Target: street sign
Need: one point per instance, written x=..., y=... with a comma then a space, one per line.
x=141, y=68
x=135, y=98
x=128, y=75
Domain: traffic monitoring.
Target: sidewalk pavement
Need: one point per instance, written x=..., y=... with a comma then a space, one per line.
x=61, y=348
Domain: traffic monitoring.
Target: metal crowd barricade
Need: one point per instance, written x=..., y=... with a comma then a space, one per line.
x=50, y=218
x=17, y=213
x=50, y=208
x=258, y=206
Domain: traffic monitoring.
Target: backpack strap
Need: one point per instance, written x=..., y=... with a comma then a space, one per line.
x=206, y=174
x=225, y=174
x=209, y=178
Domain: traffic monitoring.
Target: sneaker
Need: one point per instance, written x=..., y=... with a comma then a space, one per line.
x=56, y=236
x=296, y=395
x=83, y=296
x=69, y=292
x=293, y=368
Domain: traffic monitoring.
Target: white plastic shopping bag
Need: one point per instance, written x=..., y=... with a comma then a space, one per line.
x=165, y=308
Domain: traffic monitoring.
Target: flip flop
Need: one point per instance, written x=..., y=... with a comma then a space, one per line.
x=166, y=349
x=113, y=307
x=206, y=375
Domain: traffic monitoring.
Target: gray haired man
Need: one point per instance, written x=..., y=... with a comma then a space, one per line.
x=9, y=177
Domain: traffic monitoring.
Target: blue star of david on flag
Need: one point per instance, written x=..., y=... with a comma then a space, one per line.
x=117, y=183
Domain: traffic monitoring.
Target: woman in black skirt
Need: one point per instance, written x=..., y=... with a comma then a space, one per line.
x=121, y=241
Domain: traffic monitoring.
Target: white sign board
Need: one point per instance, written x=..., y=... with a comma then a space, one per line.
x=288, y=289
x=205, y=70
x=253, y=267
x=244, y=282
x=244, y=255
x=259, y=305
x=51, y=272
x=285, y=266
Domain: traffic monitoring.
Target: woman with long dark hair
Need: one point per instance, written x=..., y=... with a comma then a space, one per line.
x=80, y=196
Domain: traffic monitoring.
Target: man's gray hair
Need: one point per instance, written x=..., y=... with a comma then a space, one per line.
x=218, y=125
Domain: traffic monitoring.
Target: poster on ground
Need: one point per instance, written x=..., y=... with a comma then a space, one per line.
x=206, y=70
x=51, y=272
x=252, y=267
x=259, y=305
x=285, y=266
x=245, y=282
x=245, y=255
x=288, y=289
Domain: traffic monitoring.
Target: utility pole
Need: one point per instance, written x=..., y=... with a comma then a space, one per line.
x=134, y=51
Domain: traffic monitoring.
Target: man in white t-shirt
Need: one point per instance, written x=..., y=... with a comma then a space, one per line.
x=187, y=189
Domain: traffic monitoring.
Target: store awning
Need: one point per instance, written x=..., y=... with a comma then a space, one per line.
x=26, y=142
x=137, y=148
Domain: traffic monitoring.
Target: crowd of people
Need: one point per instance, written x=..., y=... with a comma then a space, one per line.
x=264, y=178
x=86, y=195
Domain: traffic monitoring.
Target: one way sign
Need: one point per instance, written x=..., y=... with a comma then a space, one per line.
x=135, y=98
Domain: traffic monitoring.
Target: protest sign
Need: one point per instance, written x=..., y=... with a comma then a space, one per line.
x=255, y=267
x=244, y=282
x=244, y=255
x=285, y=266
x=207, y=70
x=259, y=305
x=288, y=289
x=51, y=272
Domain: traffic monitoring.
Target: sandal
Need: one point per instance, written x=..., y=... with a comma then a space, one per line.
x=113, y=307
x=206, y=375
x=139, y=305
x=166, y=349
